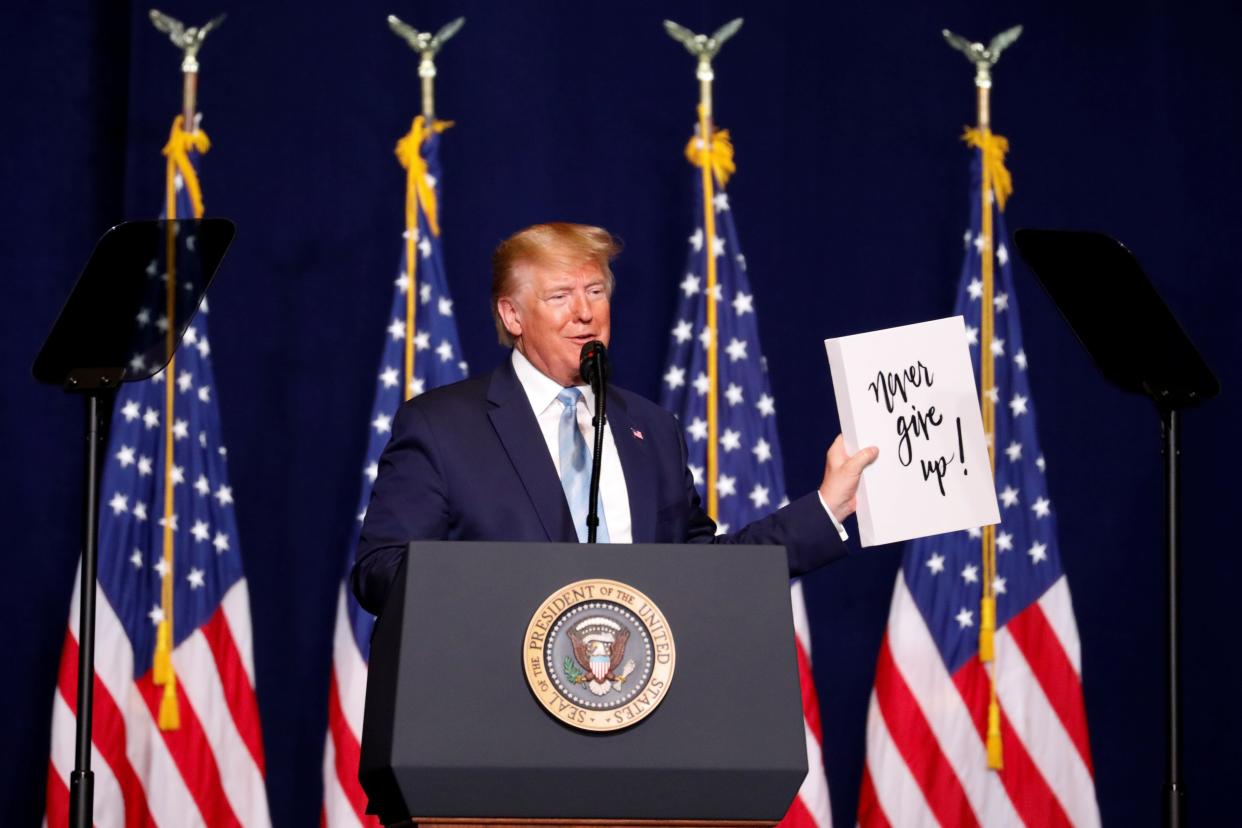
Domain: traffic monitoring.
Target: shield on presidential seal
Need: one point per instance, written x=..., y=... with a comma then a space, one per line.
x=599, y=646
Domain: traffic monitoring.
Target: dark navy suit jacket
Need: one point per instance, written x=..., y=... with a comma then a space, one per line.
x=467, y=461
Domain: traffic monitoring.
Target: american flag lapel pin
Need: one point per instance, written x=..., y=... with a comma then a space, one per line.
x=638, y=435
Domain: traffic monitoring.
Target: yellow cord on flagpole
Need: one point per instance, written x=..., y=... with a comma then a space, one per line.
x=177, y=151
x=715, y=157
x=713, y=368
x=987, y=386
x=996, y=185
x=162, y=671
x=411, y=270
x=418, y=190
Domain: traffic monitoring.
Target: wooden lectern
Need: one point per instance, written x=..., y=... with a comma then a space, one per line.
x=454, y=735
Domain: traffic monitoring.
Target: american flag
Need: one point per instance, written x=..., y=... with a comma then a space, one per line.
x=436, y=360
x=187, y=751
x=750, y=481
x=927, y=726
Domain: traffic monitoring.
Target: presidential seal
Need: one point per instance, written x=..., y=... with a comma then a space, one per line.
x=598, y=655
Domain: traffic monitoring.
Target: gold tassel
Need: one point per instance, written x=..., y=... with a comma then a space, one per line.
x=994, y=737
x=177, y=150
x=417, y=188
x=995, y=174
x=162, y=671
x=719, y=155
x=170, y=711
x=987, y=628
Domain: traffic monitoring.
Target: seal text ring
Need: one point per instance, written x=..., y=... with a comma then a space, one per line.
x=599, y=655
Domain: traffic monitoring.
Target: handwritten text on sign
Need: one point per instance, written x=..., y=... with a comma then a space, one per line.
x=891, y=387
x=911, y=392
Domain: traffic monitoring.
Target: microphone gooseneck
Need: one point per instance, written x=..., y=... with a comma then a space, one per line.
x=593, y=364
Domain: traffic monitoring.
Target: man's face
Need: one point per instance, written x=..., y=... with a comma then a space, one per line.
x=553, y=313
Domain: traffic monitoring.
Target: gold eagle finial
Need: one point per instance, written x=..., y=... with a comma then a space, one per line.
x=983, y=57
x=703, y=47
x=188, y=40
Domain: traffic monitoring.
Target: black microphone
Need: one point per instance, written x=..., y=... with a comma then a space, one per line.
x=593, y=364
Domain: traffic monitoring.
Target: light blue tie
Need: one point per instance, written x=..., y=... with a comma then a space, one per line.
x=576, y=467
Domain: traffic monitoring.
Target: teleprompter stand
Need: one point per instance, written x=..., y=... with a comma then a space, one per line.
x=1137, y=344
x=122, y=323
x=454, y=736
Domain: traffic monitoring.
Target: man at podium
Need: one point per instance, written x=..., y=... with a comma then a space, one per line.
x=504, y=456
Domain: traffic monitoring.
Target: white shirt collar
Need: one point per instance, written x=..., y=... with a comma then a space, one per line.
x=541, y=389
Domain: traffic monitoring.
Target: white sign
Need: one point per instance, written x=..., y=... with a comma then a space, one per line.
x=910, y=391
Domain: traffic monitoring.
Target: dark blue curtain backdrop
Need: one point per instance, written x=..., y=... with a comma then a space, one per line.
x=851, y=198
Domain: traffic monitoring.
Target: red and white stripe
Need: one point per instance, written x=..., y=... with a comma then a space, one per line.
x=926, y=729
x=208, y=772
x=811, y=808
x=344, y=801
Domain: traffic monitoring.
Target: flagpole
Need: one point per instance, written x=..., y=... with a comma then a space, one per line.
x=987, y=387
x=427, y=45
x=427, y=74
x=706, y=76
x=189, y=92
x=705, y=48
x=189, y=41
x=984, y=58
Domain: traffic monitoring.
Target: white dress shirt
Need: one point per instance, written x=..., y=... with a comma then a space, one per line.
x=614, y=497
x=542, y=391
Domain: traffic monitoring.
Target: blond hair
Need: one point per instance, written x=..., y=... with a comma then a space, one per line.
x=555, y=244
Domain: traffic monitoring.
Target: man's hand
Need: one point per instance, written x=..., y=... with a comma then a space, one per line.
x=841, y=475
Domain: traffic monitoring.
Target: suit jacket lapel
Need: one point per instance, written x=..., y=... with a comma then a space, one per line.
x=519, y=432
x=637, y=465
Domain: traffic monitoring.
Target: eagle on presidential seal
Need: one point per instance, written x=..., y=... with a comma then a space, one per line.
x=599, y=647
